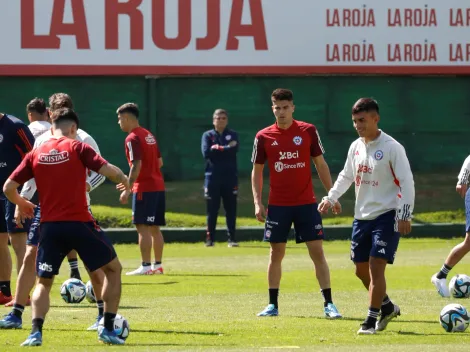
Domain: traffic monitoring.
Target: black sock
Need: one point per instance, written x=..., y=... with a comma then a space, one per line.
x=5, y=288
x=387, y=306
x=157, y=263
x=100, y=305
x=109, y=321
x=37, y=325
x=442, y=274
x=371, y=318
x=273, y=294
x=146, y=264
x=18, y=310
x=74, y=272
x=327, y=296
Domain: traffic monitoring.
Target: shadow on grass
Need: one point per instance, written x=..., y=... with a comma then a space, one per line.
x=209, y=275
x=149, y=283
x=412, y=333
x=151, y=331
x=362, y=319
x=78, y=306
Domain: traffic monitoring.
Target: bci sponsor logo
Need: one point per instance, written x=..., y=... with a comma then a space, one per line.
x=45, y=267
x=288, y=155
x=364, y=169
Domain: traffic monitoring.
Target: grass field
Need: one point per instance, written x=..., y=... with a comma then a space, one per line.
x=209, y=297
x=436, y=201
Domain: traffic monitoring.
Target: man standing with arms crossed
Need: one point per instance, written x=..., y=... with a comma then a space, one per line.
x=15, y=141
x=219, y=148
x=287, y=147
x=385, y=193
x=146, y=183
x=66, y=223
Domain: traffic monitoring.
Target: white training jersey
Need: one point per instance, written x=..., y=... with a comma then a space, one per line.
x=382, y=175
x=38, y=128
x=464, y=172
x=93, y=179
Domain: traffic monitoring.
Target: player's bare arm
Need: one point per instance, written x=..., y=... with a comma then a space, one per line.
x=133, y=174
x=25, y=207
x=115, y=174
x=160, y=163
x=257, y=189
x=325, y=177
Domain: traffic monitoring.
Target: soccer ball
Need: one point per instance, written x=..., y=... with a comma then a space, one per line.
x=454, y=318
x=121, y=326
x=90, y=294
x=459, y=286
x=73, y=291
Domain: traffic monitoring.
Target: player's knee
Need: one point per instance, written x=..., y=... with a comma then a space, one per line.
x=277, y=254
x=3, y=240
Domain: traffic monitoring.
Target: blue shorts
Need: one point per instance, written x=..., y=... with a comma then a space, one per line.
x=59, y=238
x=467, y=211
x=306, y=219
x=376, y=238
x=33, y=234
x=148, y=208
x=7, y=218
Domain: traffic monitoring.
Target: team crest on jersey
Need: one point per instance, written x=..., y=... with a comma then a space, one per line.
x=53, y=157
x=297, y=140
x=1, y=138
x=379, y=155
x=228, y=137
x=150, y=139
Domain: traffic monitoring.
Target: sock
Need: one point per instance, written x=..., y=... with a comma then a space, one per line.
x=157, y=263
x=18, y=310
x=273, y=294
x=100, y=305
x=327, y=296
x=442, y=274
x=371, y=319
x=146, y=264
x=74, y=272
x=5, y=288
x=37, y=325
x=109, y=321
x=387, y=306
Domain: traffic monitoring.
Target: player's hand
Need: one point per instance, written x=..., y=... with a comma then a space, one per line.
x=462, y=190
x=325, y=205
x=217, y=147
x=88, y=187
x=232, y=144
x=260, y=212
x=26, y=210
x=404, y=227
x=337, y=209
x=124, y=197
x=19, y=219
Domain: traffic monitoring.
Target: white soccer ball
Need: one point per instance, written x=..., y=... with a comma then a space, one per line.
x=459, y=286
x=121, y=326
x=90, y=293
x=73, y=291
x=454, y=318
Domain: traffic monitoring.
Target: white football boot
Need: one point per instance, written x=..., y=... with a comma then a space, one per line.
x=441, y=286
x=141, y=270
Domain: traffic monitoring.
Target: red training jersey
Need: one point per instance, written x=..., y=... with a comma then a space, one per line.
x=142, y=145
x=59, y=167
x=288, y=153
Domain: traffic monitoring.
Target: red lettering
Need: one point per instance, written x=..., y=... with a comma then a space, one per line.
x=29, y=40
x=113, y=9
x=79, y=26
x=256, y=29
x=184, y=26
x=213, y=27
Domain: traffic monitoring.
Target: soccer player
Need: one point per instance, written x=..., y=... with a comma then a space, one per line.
x=287, y=147
x=378, y=166
x=459, y=251
x=219, y=148
x=15, y=141
x=26, y=277
x=38, y=117
x=148, y=187
x=66, y=222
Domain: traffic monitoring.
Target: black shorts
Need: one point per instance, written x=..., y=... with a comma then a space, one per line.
x=7, y=218
x=148, y=208
x=306, y=219
x=59, y=238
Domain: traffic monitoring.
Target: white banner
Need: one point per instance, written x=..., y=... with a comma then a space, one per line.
x=154, y=37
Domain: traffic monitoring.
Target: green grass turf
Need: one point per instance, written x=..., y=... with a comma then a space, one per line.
x=436, y=201
x=209, y=297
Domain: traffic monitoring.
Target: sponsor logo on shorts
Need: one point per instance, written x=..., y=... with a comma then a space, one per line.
x=297, y=140
x=352, y=254
x=280, y=166
x=53, y=157
x=318, y=227
x=3, y=164
x=45, y=267
x=151, y=218
x=272, y=222
x=150, y=139
x=379, y=155
x=267, y=234
x=288, y=155
x=1, y=138
x=382, y=251
x=379, y=242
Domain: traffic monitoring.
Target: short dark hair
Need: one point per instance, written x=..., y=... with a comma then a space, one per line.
x=365, y=105
x=130, y=108
x=63, y=115
x=59, y=101
x=36, y=105
x=219, y=112
x=282, y=94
